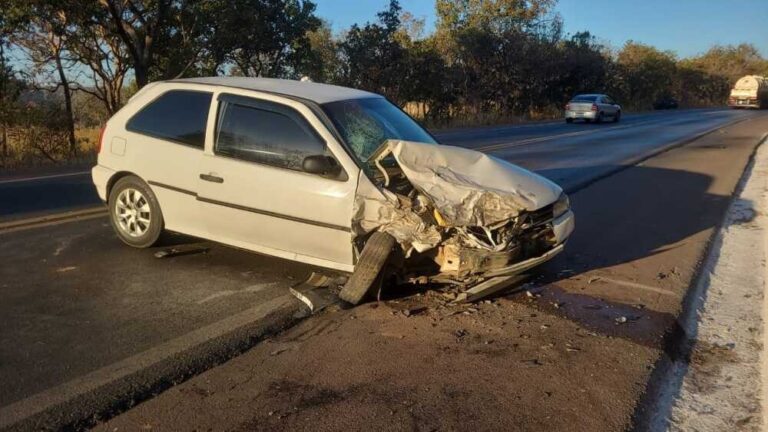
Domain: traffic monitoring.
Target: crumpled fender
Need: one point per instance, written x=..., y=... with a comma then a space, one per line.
x=468, y=188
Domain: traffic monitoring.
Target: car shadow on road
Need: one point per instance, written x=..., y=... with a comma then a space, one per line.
x=648, y=224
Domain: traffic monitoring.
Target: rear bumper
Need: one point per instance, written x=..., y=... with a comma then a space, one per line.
x=101, y=176
x=744, y=102
x=580, y=114
x=744, y=105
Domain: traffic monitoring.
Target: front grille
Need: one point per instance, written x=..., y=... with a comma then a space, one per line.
x=541, y=216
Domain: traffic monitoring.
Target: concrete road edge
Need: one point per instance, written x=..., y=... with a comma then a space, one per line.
x=656, y=406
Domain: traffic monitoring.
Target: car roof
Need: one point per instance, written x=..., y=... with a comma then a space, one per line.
x=316, y=92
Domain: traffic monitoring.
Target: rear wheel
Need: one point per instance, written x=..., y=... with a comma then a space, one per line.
x=599, y=118
x=369, y=268
x=569, y=120
x=617, y=117
x=135, y=213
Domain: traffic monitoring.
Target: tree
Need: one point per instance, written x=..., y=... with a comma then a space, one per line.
x=139, y=24
x=106, y=64
x=276, y=43
x=498, y=16
x=584, y=66
x=373, y=57
x=321, y=63
x=10, y=87
x=44, y=42
x=731, y=62
x=644, y=73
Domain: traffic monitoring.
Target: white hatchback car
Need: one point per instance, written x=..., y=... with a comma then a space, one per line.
x=325, y=175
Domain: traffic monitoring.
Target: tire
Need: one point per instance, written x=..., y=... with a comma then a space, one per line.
x=134, y=213
x=599, y=118
x=569, y=120
x=617, y=117
x=368, y=268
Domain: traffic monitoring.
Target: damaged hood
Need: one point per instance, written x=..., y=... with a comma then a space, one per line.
x=470, y=188
x=467, y=188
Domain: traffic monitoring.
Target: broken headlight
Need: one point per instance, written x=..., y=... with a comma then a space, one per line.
x=562, y=205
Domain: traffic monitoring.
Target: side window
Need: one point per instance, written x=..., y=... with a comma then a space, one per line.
x=608, y=100
x=264, y=132
x=177, y=115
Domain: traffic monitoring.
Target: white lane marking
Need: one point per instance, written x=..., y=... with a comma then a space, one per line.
x=78, y=387
x=511, y=144
x=52, y=219
x=500, y=146
x=45, y=177
x=638, y=286
x=510, y=127
x=226, y=293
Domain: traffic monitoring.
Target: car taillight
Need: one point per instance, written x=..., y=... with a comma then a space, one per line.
x=101, y=137
x=594, y=107
x=567, y=107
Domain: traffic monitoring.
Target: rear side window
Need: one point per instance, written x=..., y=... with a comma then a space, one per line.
x=264, y=132
x=177, y=115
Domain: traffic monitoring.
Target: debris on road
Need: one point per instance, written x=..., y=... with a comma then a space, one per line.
x=181, y=250
x=458, y=217
x=314, y=292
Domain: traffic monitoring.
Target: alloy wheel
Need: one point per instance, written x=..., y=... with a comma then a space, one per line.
x=132, y=212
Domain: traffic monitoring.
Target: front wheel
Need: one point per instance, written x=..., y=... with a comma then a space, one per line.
x=135, y=213
x=369, y=268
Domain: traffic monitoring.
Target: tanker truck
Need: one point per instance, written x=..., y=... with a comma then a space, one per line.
x=750, y=91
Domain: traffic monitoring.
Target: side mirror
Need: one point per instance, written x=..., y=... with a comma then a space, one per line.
x=321, y=165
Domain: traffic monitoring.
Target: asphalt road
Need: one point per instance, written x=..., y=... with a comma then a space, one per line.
x=66, y=189
x=76, y=302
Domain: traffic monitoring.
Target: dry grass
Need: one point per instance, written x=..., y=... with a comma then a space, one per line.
x=461, y=117
x=22, y=155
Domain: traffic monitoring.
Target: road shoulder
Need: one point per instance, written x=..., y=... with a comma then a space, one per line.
x=719, y=387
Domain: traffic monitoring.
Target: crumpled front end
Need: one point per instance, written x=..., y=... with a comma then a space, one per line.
x=470, y=214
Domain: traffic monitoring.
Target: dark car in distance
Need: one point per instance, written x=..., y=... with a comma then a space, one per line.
x=665, y=103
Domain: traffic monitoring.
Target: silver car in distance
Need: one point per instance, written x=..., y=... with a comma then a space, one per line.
x=592, y=107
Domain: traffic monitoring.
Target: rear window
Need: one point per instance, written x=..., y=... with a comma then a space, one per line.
x=177, y=115
x=584, y=98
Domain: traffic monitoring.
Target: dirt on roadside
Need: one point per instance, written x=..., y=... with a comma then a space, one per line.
x=415, y=364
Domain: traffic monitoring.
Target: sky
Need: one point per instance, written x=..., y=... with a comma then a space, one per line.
x=687, y=27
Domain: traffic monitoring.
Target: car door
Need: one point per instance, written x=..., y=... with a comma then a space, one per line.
x=610, y=106
x=163, y=144
x=255, y=194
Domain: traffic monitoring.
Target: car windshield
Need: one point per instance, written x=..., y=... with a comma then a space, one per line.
x=584, y=98
x=366, y=123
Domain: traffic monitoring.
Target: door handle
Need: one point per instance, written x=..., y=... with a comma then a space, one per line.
x=211, y=178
